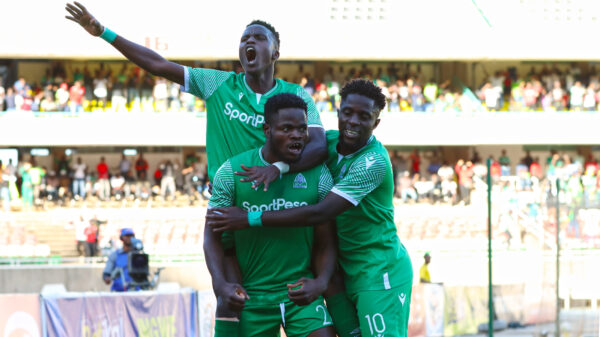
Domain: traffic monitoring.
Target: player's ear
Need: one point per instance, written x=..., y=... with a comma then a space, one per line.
x=266, y=129
x=376, y=123
x=275, y=55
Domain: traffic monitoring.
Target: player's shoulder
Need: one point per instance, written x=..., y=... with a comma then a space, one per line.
x=371, y=159
x=292, y=88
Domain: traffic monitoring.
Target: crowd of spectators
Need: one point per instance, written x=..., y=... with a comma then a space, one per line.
x=523, y=188
x=133, y=89
x=129, y=90
x=31, y=186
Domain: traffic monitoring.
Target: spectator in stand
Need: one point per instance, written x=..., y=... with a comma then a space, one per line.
x=141, y=168
x=117, y=184
x=167, y=181
x=10, y=100
x=527, y=160
x=103, y=183
x=91, y=239
x=577, y=92
x=424, y=276
x=37, y=175
x=558, y=97
x=143, y=184
x=590, y=98
x=26, y=185
x=76, y=95
x=119, y=92
x=464, y=171
x=124, y=166
x=504, y=161
x=407, y=190
x=62, y=97
x=79, y=175
x=160, y=92
x=80, y=237
x=101, y=88
x=415, y=162
x=146, y=88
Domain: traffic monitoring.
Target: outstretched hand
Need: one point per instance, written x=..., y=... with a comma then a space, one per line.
x=309, y=291
x=222, y=219
x=81, y=15
x=259, y=175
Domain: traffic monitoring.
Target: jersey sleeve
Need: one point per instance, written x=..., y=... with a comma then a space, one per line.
x=223, y=187
x=364, y=175
x=312, y=115
x=325, y=182
x=203, y=82
x=222, y=196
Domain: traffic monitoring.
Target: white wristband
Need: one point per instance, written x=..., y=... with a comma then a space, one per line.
x=283, y=167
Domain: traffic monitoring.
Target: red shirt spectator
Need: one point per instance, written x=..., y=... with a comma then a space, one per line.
x=536, y=169
x=90, y=233
x=102, y=169
x=76, y=93
x=141, y=168
x=415, y=162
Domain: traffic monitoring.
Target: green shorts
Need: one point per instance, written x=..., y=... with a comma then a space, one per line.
x=383, y=312
x=265, y=320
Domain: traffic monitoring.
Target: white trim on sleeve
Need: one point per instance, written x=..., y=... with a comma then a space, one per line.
x=186, y=79
x=345, y=196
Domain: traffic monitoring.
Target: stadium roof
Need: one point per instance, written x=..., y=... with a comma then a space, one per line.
x=315, y=29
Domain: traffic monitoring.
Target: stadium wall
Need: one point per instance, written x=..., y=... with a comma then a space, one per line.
x=394, y=130
x=88, y=277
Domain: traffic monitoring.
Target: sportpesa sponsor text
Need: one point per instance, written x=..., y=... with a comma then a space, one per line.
x=275, y=205
x=255, y=121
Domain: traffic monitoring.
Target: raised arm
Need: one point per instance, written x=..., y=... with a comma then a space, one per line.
x=140, y=55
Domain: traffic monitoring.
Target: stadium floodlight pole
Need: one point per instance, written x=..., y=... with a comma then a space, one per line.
x=557, y=256
x=490, y=298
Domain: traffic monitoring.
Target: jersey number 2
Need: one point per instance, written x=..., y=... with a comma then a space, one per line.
x=325, y=321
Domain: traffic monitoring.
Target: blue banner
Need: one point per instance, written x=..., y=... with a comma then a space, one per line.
x=121, y=314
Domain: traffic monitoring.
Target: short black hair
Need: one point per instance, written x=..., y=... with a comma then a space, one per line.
x=267, y=26
x=364, y=88
x=282, y=101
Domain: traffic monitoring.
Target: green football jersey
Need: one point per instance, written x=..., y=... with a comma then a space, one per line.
x=371, y=254
x=235, y=113
x=270, y=257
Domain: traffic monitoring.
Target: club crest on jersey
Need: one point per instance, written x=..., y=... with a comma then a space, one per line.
x=300, y=181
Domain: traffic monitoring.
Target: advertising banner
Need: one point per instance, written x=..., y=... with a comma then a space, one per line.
x=121, y=315
x=207, y=306
x=416, y=320
x=20, y=315
x=466, y=308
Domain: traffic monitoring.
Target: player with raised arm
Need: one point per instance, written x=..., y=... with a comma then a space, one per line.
x=235, y=105
x=279, y=284
x=377, y=268
x=235, y=102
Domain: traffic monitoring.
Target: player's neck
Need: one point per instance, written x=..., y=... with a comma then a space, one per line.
x=262, y=82
x=268, y=155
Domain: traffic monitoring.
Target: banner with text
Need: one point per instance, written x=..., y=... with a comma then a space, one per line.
x=121, y=315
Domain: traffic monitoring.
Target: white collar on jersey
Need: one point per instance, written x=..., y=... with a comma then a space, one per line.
x=258, y=96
